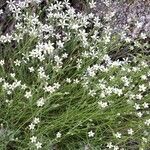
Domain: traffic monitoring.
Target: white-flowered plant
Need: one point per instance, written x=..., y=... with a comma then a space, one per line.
x=63, y=85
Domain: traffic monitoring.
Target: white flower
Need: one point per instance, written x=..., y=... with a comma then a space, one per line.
x=116, y=147
x=117, y=135
x=91, y=134
x=17, y=62
x=38, y=145
x=58, y=135
x=92, y=92
x=76, y=81
x=58, y=36
x=9, y=92
x=83, y=33
x=102, y=95
x=7, y=101
x=42, y=75
x=65, y=55
x=107, y=40
x=142, y=88
x=12, y=75
x=28, y=94
x=119, y=92
x=31, y=69
x=143, y=36
x=139, y=114
x=144, y=139
x=145, y=105
x=97, y=22
x=36, y=120
x=48, y=48
x=1, y=11
x=144, y=64
x=102, y=104
x=62, y=23
x=109, y=145
x=139, y=24
x=31, y=126
x=92, y=4
x=91, y=15
x=130, y=131
x=58, y=60
x=11, y=4
x=143, y=77
x=60, y=44
x=139, y=96
x=1, y=80
x=74, y=26
x=128, y=39
x=147, y=122
x=106, y=58
x=116, y=91
x=68, y=80
x=50, y=89
x=40, y=102
x=23, y=87
x=2, y=62
x=125, y=80
x=56, y=85
x=135, y=69
x=33, y=139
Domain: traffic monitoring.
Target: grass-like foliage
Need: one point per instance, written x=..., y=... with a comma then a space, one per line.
x=69, y=82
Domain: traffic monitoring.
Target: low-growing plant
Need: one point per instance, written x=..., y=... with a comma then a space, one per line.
x=67, y=81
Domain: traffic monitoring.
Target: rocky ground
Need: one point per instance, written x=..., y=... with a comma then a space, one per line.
x=126, y=13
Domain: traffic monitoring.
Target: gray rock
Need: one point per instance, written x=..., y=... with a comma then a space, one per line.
x=126, y=14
